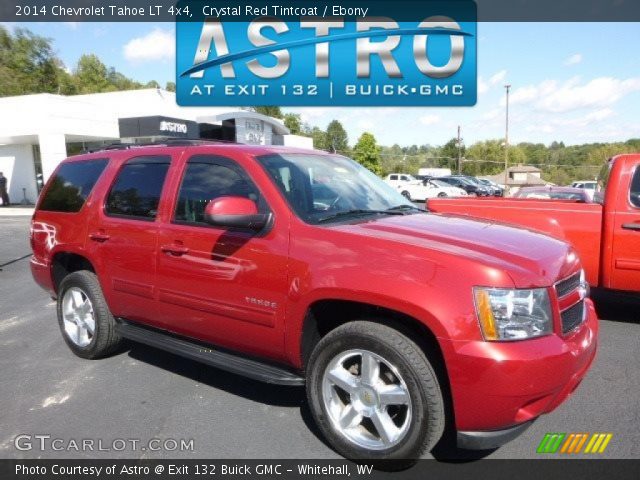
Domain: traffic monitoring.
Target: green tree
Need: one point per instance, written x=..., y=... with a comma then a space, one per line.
x=367, y=153
x=92, y=76
x=450, y=149
x=449, y=152
x=117, y=81
x=337, y=140
x=319, y=137
x=170, y=87
x=27, y=63
x=293, y=123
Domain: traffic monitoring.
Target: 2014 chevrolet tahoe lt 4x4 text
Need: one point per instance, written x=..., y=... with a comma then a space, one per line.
x=301, y=267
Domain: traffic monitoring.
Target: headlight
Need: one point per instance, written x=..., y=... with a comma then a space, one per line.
x=508, y=314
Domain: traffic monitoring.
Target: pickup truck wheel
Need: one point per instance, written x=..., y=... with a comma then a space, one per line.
x=442, y=194
x=406, y=195
x=374, y=394
x=86, y=323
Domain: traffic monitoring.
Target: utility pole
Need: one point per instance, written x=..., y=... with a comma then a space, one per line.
x=506, y=141
x=459, y=148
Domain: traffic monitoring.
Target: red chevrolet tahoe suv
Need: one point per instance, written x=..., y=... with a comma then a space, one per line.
x=300, y=267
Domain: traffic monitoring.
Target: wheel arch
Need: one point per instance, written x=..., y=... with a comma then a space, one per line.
x=324, y=315
x=65, y=262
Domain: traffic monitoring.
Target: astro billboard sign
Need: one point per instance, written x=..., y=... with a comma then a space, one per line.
x=328, y=61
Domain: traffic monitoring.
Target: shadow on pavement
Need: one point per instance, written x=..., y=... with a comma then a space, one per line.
x=276, y=395
x=616, y=306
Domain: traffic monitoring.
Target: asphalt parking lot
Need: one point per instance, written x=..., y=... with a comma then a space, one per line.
x=142, y=393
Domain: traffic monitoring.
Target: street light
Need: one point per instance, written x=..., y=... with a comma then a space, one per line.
x=506, y=140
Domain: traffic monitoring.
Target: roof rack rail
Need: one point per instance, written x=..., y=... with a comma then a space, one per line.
x=169, y=142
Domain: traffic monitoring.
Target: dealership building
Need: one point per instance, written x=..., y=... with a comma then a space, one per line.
x=38, y=131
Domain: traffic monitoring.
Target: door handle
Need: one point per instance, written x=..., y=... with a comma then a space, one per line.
x=631, y=226
x=99, y=237
x=175, y=250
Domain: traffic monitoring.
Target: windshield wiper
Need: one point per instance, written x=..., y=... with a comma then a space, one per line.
x=347, y=213
x=401, y=208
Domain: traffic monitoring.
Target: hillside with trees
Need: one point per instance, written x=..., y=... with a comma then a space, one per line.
x=28, y=64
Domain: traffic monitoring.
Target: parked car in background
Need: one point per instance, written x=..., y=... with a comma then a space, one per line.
x=396, y=179
x=605, y=236
x=423, y=178
x=554, y=193
x=420, y=190
x=476, y=181
x=431, y=188
x=498, y=190
x=398, y=322
x=469, y=187
x=589, y=186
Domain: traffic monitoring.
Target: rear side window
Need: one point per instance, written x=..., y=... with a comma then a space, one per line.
x=72, y=184
x=634, y=194
x=206, y=178
x=137, y=189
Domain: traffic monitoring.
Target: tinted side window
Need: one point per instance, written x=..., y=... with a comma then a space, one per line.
x=136, y=191
x=634, y=194
x=72, y=184
x=206, y=181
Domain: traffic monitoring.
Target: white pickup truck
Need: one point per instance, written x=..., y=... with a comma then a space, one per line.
x=419, y=191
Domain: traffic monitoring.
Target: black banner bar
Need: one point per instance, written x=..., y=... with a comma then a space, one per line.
x=171, y=10
x=314, y=469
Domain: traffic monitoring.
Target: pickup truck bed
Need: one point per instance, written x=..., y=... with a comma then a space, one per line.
x=606, y=237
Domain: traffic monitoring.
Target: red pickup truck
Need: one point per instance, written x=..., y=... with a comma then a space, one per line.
x=298, y=267
x=606, y=235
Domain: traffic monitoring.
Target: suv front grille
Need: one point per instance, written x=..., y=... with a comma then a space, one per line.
x=568, y=285
x=572, y=317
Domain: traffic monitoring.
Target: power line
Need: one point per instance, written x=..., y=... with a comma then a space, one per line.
x=474, y=160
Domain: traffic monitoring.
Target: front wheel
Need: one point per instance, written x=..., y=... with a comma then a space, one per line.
x=406, y=195
x=374, y=394
x=442, y=194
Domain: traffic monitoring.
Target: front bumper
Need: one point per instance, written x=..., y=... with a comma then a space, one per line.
x=491, y=439
x=498, y=387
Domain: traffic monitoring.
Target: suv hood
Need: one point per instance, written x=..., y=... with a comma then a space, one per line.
x=530, y=258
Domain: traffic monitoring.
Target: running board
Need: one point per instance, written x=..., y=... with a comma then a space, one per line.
x=230, y=362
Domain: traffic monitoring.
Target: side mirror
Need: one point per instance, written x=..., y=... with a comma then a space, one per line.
x=235, y=212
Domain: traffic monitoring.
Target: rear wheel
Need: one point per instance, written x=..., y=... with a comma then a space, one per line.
x=86, y=323
x=442, y=194
x=374, y=394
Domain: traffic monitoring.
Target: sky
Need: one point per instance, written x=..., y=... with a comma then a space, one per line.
x=572, y=82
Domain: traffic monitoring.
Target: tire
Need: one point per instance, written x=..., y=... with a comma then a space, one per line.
x=406, y=195
x=442, y=194
x=81, y=303
x=418, y=424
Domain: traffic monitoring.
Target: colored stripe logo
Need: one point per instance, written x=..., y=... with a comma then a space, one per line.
x=574, y=443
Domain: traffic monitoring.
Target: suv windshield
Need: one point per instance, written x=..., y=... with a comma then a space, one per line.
x=321, y=188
